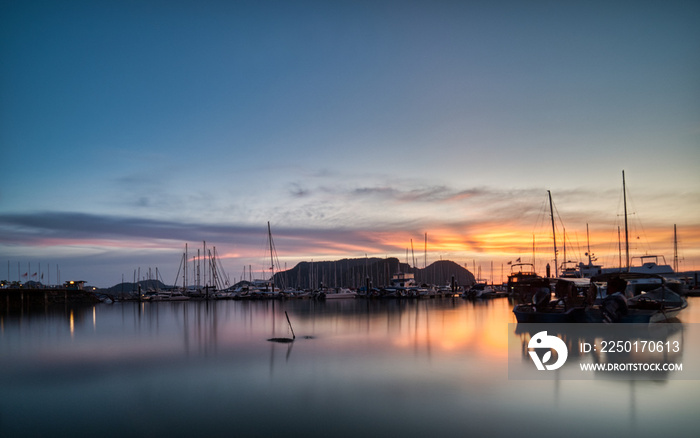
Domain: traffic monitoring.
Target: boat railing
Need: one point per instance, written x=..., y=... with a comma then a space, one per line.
x=648, y=259
x=522, y=269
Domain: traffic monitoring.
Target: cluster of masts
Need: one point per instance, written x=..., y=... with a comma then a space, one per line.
x=647, y=263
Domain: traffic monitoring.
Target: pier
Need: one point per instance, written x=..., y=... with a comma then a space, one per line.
x=14, y=300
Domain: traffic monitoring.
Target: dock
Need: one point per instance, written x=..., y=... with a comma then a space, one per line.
x=16, y=300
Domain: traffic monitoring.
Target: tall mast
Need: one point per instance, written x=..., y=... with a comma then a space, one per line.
x=413, y=255
x=675, y=249
x=554, y=235
x=627, y=241
x=588, y=244
x=272, y=260
x=619, y=248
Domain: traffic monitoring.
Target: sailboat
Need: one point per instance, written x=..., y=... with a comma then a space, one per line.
x=570, y=296
x=636, y=292
x=265, y=289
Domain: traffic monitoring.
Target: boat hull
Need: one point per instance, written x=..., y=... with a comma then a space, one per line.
x=634, y=316
x=526, y=313
x=339, y=296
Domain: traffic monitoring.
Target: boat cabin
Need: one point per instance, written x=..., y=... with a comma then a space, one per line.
x=403, y=279
x=649, y=264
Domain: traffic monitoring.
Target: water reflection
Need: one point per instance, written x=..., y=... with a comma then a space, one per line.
x=356, y=367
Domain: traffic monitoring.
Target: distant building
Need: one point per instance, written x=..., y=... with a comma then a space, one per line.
x=31, y=284
x=74, y=284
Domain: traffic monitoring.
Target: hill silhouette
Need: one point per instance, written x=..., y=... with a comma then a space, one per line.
x=351, y=273
x=354, y=272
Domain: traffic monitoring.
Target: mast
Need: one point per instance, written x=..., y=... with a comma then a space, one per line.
x=413, y=255
x=554, y=235
x=272, y=260
x=627, y=241
x=675, y=249
x=619, y=248
x=588, y=245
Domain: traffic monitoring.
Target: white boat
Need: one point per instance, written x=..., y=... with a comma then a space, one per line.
x=480, y=290
x=649, y=264
x=170, y=296
x=340, y=293
x=177, y=296
x=223, y=294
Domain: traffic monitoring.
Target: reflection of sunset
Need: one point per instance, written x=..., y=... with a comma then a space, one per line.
x=459, y=329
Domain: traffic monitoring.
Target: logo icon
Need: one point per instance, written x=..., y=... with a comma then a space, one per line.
x=542, y=340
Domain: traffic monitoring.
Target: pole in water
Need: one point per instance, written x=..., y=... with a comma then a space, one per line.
x=290, y=325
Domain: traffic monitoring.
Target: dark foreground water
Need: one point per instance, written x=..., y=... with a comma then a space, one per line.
x=357, y=368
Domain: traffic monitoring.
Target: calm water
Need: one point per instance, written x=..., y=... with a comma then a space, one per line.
x=357, y=368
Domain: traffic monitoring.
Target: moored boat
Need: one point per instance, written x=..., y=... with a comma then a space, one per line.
x=571, y=298
x=340, y=293
x=173, y=295
x=524, y=283
x=482, y=290
x=634, y=297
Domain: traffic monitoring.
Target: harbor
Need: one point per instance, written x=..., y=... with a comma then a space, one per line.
x=351, y=347
x=350, y=219
x=356, y=367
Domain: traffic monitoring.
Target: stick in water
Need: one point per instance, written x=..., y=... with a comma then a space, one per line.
x=290, y=325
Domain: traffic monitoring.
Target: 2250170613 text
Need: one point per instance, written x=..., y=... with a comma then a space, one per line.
x=631, y=347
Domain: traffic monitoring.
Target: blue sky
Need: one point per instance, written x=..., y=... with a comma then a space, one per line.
x=129, y=128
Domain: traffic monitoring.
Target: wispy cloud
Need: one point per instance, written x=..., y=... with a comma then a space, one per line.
x=30, y=227
x=426, y=194
x=332, y=222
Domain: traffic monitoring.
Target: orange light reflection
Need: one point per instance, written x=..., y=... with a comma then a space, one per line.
x=466, y=327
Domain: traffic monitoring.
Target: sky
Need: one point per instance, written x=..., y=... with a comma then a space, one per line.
x=130, y=128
